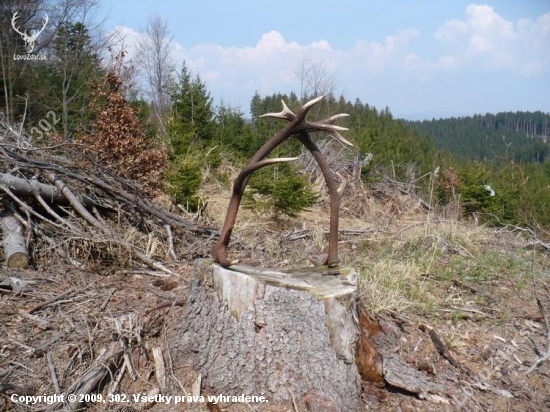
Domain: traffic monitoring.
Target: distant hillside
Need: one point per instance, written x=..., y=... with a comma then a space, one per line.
x=520, y=136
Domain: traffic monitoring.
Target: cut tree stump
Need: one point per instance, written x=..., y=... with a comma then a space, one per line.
x=13, y=241
x=289, y=336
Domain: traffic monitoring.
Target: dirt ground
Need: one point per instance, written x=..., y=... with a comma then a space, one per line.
x=56, y=318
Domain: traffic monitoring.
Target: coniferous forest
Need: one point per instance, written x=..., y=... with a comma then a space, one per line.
x=68, y=97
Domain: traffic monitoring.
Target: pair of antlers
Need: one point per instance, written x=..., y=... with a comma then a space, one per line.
x=299, y=127
x=29, y=40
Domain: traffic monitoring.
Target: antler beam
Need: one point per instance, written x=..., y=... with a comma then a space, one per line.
x=300, y=127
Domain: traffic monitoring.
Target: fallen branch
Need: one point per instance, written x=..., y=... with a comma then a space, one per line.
x=99, y=372
x=122, y=194
x=25, y=207
x=171, y=243
x=443, y=350
x=50, y=301
x=545, y=246
x=53, y=375
x=399, y=187
x=31, y=188
x=75, y=203
x=178, y=302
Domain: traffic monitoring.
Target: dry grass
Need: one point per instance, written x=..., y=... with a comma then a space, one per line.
x=400, y=250
x=471, y=283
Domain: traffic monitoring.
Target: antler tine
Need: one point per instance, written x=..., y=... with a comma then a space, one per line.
x=312, y=102
x=305, y=108
x=340, y=138
x=35, y=35
x=13, y=20
x=335, y=117
x=285, y=114
x=267, y=162
x=46, y=20
x=335, y=127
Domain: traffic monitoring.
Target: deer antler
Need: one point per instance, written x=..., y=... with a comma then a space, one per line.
x=13, y=19
x=326, y=125
x=299, y=127
x=35, y=35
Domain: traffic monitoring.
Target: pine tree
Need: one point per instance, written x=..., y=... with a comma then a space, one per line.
x=235, y=134
x=192, y=119
x=192, y=134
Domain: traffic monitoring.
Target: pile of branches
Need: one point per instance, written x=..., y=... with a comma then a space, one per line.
x=58, y=200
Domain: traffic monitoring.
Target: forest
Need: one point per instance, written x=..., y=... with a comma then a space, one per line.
x=154, y=121
x=116, y=168
x=519, y=136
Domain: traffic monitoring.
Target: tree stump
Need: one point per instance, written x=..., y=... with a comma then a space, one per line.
x=289, y=336
x=13, y=241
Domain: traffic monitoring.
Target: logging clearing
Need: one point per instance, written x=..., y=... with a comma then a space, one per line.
x=108, y=289
x=112, y=271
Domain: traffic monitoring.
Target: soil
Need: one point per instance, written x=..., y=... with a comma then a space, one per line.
x=492, y=328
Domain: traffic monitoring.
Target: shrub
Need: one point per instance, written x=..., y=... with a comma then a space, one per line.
x=473, y=195
x=118, y=138
x=281, y=192
x=184, y=181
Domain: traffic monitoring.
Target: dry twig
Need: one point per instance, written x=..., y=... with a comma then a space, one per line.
x=50, y=301
x=544, y=356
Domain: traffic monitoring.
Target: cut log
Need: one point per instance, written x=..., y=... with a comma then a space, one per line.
x=13, y=241
x=288, y=336
x=30, y=188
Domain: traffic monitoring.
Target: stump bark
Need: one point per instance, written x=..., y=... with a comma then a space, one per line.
x=13, y=242
x=289, y=336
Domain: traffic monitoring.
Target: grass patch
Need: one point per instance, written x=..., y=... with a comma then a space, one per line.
x=415, y=272
x=392, y=285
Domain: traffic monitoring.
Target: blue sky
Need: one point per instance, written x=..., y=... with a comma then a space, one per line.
x=419, y=58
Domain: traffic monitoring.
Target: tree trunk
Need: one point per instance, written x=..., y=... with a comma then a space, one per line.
x=29, y=188
x=289, y=336
x=13, y=241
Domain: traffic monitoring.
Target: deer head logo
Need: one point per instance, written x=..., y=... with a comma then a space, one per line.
x=29, y=40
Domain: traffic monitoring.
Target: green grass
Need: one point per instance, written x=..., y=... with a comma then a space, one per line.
x=414, y=273
x=391, y=284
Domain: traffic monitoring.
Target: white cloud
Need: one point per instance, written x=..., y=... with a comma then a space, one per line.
x=270, y=65
x=452, y=31
x=374, y=57
x=487, y=40
x=482, y=40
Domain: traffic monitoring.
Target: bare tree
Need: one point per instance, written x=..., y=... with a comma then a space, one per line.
x=25, y=15
x=78, y=43
x=116, y=62
x=157, y=70
x=315, y=78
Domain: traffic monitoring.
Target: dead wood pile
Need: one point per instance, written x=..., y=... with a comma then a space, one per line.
x=74, y=208
x=99, y=246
